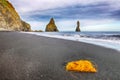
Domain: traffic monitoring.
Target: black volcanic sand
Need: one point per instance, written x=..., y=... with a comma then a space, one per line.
x=30, y=57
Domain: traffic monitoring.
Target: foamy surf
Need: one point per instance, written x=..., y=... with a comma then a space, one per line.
x=113, y=43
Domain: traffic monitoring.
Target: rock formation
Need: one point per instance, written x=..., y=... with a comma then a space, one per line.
x=78, y=27
x=51, y=27
x=37, y=31
x=26, y=26
x=9, y=19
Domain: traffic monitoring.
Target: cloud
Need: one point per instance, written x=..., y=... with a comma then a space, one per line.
x=92, y=11
x=24, y=6
x=67, y=12
x=115, y=14
x=38, y=25
x=75, y=12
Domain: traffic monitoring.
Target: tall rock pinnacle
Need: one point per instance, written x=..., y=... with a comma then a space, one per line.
x=51, y=27
x=78, y=27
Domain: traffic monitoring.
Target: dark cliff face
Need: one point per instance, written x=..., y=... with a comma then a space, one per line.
x=51, y=27
x=78, y=27
x=9, y=18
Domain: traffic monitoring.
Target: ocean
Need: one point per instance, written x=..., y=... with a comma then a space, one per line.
x=105, y=39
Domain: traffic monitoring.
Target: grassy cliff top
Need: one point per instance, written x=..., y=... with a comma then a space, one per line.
x=7, y=5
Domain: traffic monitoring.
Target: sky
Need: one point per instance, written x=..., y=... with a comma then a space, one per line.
x=94, y=15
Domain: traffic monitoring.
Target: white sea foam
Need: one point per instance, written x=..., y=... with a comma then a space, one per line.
x=114, y=44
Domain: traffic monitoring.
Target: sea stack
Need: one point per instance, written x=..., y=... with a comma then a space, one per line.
x=78, y=27
x=9, y=18
x=51, y=27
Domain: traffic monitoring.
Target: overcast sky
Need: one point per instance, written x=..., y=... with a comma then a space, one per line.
x=94, y=15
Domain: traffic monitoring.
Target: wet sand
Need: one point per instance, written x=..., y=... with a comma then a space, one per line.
x=30, y=57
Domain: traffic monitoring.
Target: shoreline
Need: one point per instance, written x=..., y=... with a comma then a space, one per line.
x=29, y=57
x=91, y=41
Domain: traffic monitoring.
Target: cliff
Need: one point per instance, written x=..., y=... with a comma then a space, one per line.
x=78, y=27
x=51, y=27
x=9, y=18
x=26, y=26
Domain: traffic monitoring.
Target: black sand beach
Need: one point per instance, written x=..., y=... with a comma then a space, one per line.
x=31, y=57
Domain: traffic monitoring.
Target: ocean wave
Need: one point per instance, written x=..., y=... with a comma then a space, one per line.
x=107, y=40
